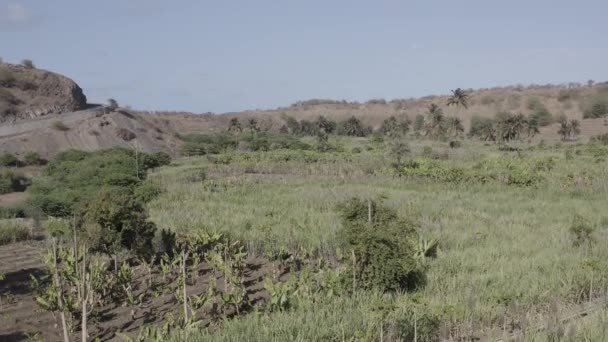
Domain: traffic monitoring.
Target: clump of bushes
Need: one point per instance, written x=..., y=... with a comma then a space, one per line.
x=198, y=144
x=596, y=107
x=115, y=219
x=380, y=242
x=8, y=159
x=74, y=176
x=33, y=158
x=12, y=182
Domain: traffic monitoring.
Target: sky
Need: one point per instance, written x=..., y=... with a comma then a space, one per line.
x=220, y=56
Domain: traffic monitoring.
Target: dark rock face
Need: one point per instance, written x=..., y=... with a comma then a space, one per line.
x=28, y=93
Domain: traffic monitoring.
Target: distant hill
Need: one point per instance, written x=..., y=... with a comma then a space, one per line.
x=44, y=112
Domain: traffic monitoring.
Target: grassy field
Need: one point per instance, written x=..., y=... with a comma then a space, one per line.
x=507, y=256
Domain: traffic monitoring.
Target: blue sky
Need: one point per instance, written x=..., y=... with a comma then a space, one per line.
x=233, y=55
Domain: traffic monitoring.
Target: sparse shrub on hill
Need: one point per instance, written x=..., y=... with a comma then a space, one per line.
x=214, y=144
x=419, y=122
x=483, y=128
x=28, y=64
x=381, y=244
x=8, y=159
x=542, y=117
x=7, y=78
x=33, y=158
x=60, y=126
x=112, y=104
x=597, y=107
x=12, y=182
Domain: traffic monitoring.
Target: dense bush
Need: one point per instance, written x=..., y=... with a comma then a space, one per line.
x=382, y=245
x=542, y=117
x=8, y=159
x=12, y=212
x=147, y=191
x=483, y=128
x=28, y=64
x=114, y=219
x=353, y=127
x=419, y=122
x=33, y=158
x=597, y=107
x=215, y=144
x=74, y=176
x=12, y=182
x=393, y=127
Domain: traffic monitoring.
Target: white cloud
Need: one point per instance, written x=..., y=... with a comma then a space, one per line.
x=15, y=16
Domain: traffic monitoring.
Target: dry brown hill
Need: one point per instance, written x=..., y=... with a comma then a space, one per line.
x=41, y=111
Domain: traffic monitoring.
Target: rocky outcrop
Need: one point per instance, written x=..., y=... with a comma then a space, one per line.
x=27, y=93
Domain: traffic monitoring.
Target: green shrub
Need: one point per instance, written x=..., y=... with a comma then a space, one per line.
x=13, y=231
x=147, y=191
x=382, y=246
x=73, y=176
x=115, y=219
x=597, y=107
x=582, y=231
x=353, y=127
x=12, y=182
x=542, y=117
x=33, y=158
x=12, y=212
x=8, y=159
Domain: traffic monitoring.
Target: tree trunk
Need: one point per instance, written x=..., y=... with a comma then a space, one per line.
x=66, y=337
x=185, y=292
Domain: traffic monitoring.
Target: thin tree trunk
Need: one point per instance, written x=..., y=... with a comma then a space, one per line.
x=85, y=295
x=64, y=326
x=185, y=292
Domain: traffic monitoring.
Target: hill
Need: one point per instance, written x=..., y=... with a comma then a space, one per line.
x=45, y=112
x=27, y=92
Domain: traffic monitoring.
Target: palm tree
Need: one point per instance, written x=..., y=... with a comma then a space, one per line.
x=434, y=125
x=519, y=125
x=575, y=127
x=253, y=125
x=459, y=97
x=235, y=125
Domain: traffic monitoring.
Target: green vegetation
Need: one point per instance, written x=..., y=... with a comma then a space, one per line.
x=12, y=182
x=13, y=231
x=76, y=176
x=8, y=159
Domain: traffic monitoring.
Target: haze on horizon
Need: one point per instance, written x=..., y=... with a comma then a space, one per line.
x=228, y=56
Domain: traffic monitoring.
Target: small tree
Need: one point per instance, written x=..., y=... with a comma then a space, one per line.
x=454, y=126
x=392, y=127
x=114, y=219
x=28, y=64
x=381, y=246
x=235, y=126
x=434, y=125
x=419, y=122
x=252, y=124
x=112, y=104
